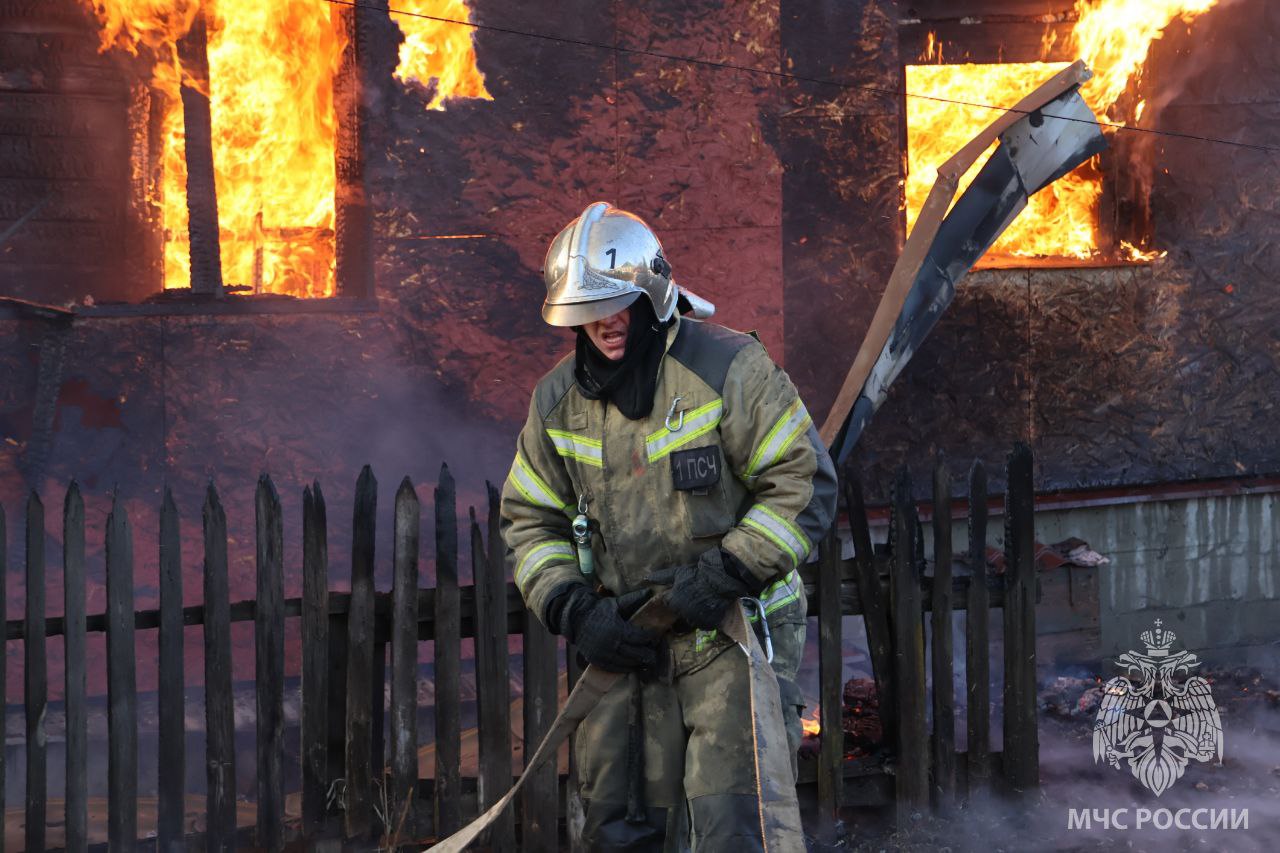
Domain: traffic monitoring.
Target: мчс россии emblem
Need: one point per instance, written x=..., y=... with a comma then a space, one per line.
x=1154, y=723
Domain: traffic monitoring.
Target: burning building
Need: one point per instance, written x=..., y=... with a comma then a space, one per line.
x=1086, y=216
x=385, y=185
x=365, y=286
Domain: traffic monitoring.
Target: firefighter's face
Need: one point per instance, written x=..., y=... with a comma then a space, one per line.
x=610, y=334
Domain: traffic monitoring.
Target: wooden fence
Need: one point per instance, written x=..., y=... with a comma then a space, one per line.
x=893, y=594
x=349, y=792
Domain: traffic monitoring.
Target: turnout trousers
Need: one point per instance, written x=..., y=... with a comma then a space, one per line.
x=713, y=756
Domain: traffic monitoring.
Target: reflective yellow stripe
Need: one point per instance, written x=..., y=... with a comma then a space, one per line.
x=556, y=550
x=781, y=436
x=697, y=423
x=772, y=537
x=799, y=537
x=778, y=530
x=531, y=486
x=580, y=447
x=781, y=593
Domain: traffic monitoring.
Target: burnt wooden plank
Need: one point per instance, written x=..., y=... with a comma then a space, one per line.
x=202, y=307
x=492, y=683
x=353, y=217
x=336, y=738
x=360, y=618
x=942, y=652
x=315, y=660
x=540, y=798
x=498, y=577
x=956, y=41
x=573, y=809
x=147, y=218
x=171, y=779
x=979, y=11
x=202, y=194
x=404, y=660
x=977, y=643
x=912, y=779
x=378, y=696
x=268, y=631
x=874, y=606
x=220, y=747
x=340, y=602
x=446, y=658
x=122, y=698
x=831, y=680
x=77, y=794
x=35, y=677
x=4, y=651
x=1021, y=740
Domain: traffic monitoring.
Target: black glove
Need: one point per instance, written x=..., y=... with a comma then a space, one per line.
x=701, y=594
x=598, y=627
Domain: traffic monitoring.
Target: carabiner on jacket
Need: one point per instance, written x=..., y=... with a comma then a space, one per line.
x=671, y=411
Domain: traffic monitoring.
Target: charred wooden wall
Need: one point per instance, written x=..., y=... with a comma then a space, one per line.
x=776, y=199
x=65, y=113
x=692, y=149
x=1134, y=375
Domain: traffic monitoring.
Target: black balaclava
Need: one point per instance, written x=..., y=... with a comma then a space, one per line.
x=629, y=383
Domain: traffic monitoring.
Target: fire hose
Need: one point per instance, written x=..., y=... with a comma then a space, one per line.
x=779, y=810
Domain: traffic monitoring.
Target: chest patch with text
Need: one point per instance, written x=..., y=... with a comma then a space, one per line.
x=696, y=468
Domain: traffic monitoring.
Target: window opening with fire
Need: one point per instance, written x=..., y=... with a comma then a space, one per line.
x=1064, y=221
x=272, y=72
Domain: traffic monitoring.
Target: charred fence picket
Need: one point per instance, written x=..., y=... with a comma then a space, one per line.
x=359, y=766
x=892, y=592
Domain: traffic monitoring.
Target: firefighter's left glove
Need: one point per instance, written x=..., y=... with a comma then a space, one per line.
x=598, y=627
x=701, y=594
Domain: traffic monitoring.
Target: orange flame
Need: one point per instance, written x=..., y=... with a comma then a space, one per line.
x=439, y=50
x=811, y=725
x=1113, y=37
x=1060, y=220
x=271, y=73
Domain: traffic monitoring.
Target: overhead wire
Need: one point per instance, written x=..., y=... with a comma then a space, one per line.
x=783, y=75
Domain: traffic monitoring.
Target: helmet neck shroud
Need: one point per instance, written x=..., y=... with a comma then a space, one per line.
x=630, y=382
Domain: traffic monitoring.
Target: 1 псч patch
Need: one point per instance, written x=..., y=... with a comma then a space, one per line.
x=696, y=468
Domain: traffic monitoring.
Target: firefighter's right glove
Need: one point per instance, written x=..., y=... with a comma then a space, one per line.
x=701, y=594
x=598, y=627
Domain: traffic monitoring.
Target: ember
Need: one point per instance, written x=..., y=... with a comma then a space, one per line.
x=271, y=71
x=810, y=724
x=863, y=732
x=1113, y=37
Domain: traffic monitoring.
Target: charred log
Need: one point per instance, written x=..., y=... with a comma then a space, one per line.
x=202, y=193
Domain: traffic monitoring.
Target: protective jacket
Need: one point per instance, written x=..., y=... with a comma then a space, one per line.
x=728, y=457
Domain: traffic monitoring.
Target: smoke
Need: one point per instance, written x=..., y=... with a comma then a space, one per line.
x=1074, y=785
x=1181, y=62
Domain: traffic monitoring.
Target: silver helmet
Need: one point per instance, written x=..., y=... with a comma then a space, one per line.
x=602, y=262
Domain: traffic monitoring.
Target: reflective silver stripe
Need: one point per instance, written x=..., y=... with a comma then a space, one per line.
x=531, y=486
x=556, y=550
x=781, y=593
x=580, y=447
x=697, y=423
x=794, y=421
x=778, y=530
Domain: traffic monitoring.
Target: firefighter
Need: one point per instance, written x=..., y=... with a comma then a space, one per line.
x=688, y=455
